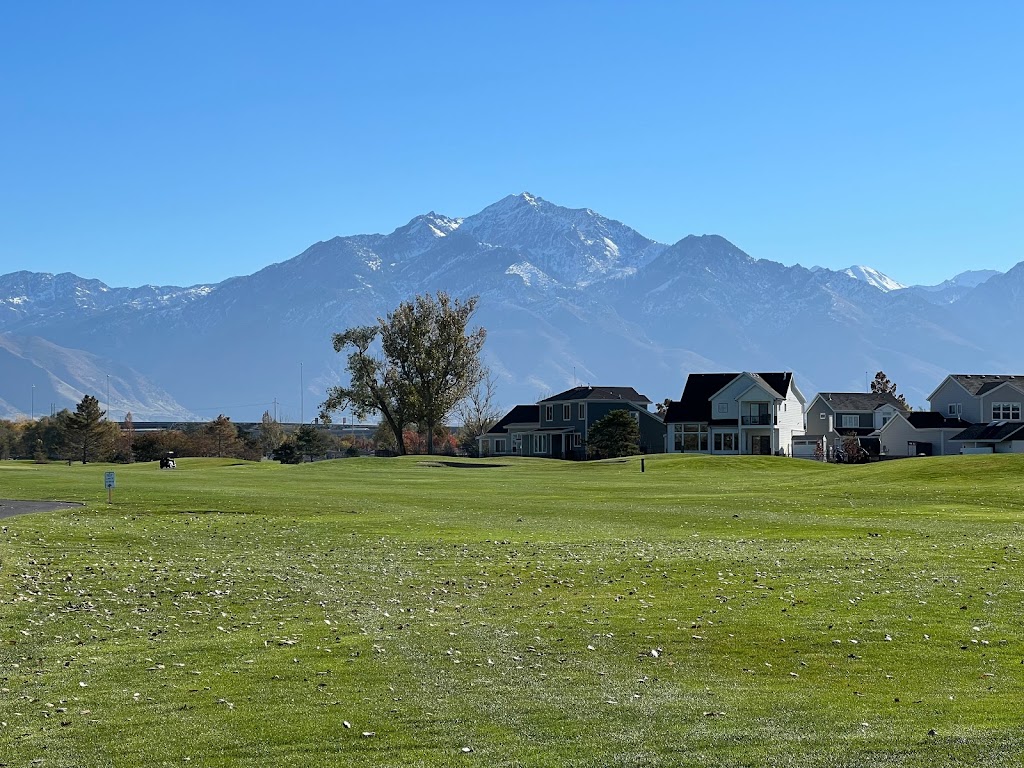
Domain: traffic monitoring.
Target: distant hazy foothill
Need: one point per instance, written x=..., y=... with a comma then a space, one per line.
x=567, y=296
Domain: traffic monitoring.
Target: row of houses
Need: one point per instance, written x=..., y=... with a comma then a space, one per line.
x=767, y=414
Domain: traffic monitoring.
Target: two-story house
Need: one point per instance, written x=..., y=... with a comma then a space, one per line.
x=993, y=403
x=968, y=413
x=557, y=426
x=832, y=416
x=979, y=398
x=736, y=413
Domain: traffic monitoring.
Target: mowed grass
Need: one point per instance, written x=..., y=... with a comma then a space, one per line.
x=375, y=612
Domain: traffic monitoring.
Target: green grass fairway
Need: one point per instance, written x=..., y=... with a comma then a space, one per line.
x=389, y=612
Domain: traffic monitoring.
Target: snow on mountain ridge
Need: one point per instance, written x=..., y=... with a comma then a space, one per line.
x=873, y=277
x=575, y=246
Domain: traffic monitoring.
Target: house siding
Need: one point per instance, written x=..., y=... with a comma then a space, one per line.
x=1004, y=394
x=896, y=435
x=950, y=392
x=790, y=419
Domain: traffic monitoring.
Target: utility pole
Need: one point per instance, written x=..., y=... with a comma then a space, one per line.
x=302, y=395
x=33, y=402
x=107, y=414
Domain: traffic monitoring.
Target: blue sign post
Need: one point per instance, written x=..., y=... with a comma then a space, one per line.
x=108, y=483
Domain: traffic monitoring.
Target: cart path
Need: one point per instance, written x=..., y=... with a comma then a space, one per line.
x=12, y=507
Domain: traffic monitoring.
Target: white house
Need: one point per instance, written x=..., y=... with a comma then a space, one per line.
x=736, y=413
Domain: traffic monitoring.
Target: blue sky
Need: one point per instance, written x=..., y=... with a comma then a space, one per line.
x=179, y=143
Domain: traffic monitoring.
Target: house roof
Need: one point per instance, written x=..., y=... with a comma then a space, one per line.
x=995, y=432
x=521, y=414
x=933, y=420
x=979, y=383
x=695, y=403
x=859, y=401
x=599, y=393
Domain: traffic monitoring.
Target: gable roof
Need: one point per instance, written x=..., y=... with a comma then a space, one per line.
x=521, y=414
x=1016, y=383
x=979, y=383
x=859, y=401
x=995, y=432
x=695, y=402
x=599, y=393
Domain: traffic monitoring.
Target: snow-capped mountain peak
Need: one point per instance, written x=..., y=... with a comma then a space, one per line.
x=575, y=246
x=420, y=234
x=873, y=277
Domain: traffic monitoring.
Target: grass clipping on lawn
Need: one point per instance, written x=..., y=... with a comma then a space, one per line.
x=366, y=612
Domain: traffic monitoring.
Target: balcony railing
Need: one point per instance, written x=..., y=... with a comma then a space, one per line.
x=757, y=419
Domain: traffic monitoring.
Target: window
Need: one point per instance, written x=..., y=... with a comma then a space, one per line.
x=723, y=407
x=581, y=412
x=540, y=443
x=566, y=412
x=693, y=438
x=953, y=409
x=821, y=415
x=886, y=418
x=1009, y=411
x=499, y=445
x=726, y=441
x=549, y=413
x=575, y=439
x=849, y=421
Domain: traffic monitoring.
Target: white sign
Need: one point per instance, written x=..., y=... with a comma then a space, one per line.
x=108, y=480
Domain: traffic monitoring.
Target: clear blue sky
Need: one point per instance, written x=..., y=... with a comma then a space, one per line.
x=186, y=142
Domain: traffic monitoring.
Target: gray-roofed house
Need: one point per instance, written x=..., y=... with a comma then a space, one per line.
x=736, y=413
x=831, y=416
x=560, y=423
x=979, y=398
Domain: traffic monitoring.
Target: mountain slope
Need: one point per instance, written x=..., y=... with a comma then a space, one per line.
x=567, y=296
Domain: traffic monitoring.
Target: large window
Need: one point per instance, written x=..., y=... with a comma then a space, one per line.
x=540, y=444
x=691, y=437
x=849, y=421
x=726, y=441
x=499, y=445
x=754, y=414
x=1009, y=411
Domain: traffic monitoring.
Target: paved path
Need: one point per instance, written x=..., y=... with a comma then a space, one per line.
x=10, y=507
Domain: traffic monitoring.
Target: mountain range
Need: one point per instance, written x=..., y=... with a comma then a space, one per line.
x=567, y=296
